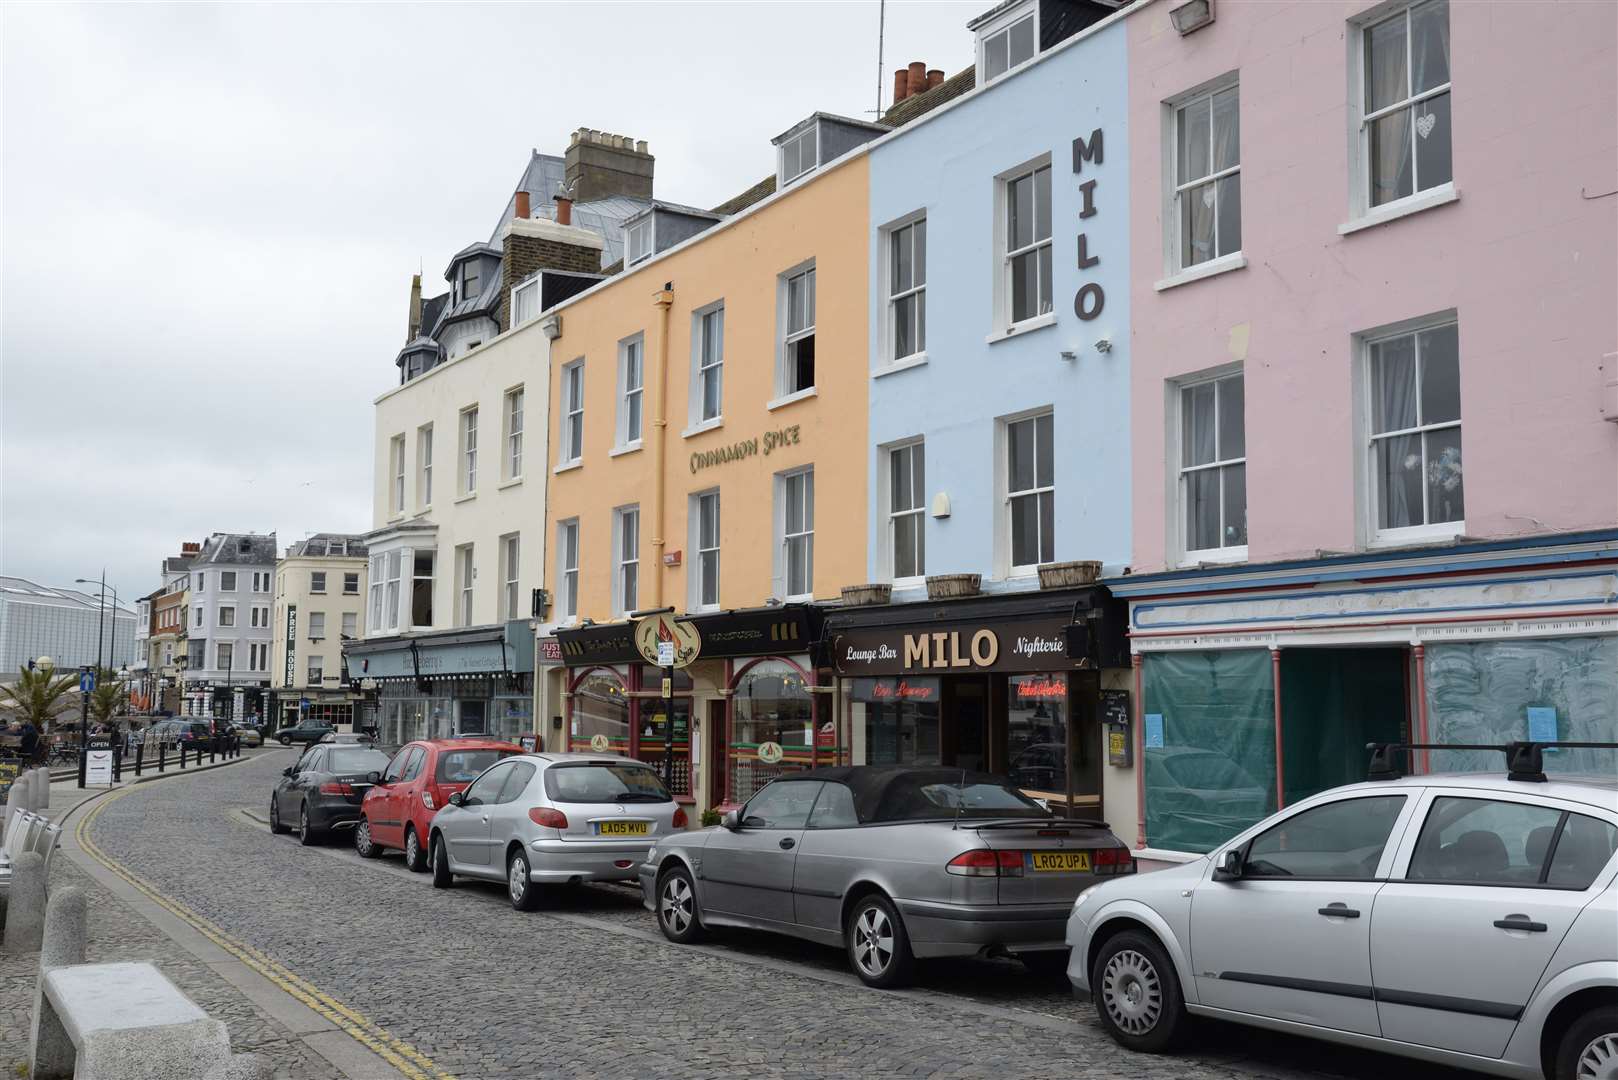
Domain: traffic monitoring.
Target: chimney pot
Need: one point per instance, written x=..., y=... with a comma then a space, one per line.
x=918, y=78
x=901, y=85
x=935, y=78
x=564, y=209
x=640, y=147
x=523, y=208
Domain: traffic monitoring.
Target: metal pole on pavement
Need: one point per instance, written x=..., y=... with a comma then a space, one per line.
x=668, y=728
x=84, y=728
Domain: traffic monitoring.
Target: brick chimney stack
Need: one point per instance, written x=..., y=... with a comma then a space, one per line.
x=935, y=78
x=918, y=78
x=414, y=322
x=564, y=206
x=599, y=164
x=524, y=210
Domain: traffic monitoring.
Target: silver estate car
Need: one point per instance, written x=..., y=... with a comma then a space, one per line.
x=532, y=820
x=891, y=863
x=1468, y=920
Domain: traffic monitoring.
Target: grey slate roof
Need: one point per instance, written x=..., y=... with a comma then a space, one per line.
x=237, y=549
x=349, y=545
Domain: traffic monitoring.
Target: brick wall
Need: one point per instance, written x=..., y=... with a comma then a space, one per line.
x=526, y=254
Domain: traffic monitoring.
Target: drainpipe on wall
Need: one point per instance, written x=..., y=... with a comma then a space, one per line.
x=663, y=299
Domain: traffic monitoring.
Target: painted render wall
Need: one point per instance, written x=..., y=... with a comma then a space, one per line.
x=947, y=164
x=1527, y=258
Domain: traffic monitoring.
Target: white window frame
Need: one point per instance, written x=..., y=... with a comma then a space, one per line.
x=226, y=615
x=470, y=278
x=202, y=615
x=408, y=595
x=526, y=292
x=571, y=418
x=1003, y=493
x=349, y=625
x=567, y=570
x=424, y=467
x=697, y=578
x=315, y=670
x=1002, y=24
x=317, y=626
x=888, y=560
x=1174, y=190
x=624, y=439
x=1179, y=504
x=355, y=576
x=466, y=573
x=1365, y=458
x=783, y=539
x=1361, y=212
x=219, y=649
x=510, y=571
x=785, y=337
x=1003, y=255
x=625, y=558
x=391, y=581
x=889, y=319
x=396, y=472
x=227, y=576
x=810, y=134
x=512, y=412
x=468, y=425
x=317, y=582
x=700, y=370
x=647, y=228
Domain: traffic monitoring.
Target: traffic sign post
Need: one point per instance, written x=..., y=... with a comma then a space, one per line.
x=87, y=684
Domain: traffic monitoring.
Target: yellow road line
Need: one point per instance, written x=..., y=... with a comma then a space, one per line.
x=396, y=1052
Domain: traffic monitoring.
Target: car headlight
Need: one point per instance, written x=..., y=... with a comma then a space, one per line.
x=1085, y=897
x=651, y=853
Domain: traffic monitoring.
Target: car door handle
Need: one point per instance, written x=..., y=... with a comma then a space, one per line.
x=485, y=819
x=787, y=843
x=1520, y=922
x=1339, y=910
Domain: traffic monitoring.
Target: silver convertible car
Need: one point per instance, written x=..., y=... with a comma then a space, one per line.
x=890, y=863
x=1463, y=920
x=532, y=820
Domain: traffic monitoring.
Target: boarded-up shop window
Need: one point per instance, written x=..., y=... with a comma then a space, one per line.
x=1490, y=691
x=1214, y=774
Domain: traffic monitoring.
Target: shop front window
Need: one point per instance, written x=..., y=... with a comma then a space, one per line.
x=901, y=720
x=601, y=707
x=1036, y=733
x=772, y=726
x=512, y=717
x=439, y=718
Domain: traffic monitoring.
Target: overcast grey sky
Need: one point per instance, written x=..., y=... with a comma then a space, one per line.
x=211, y=215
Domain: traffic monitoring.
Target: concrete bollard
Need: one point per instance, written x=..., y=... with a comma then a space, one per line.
x=64, y=943
x=25, y=907
x=42, y=777
x=243, y=1067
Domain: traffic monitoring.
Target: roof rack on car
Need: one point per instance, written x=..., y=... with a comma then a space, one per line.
x=1524, y=760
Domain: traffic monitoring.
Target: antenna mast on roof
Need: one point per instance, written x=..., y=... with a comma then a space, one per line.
x=881, y=29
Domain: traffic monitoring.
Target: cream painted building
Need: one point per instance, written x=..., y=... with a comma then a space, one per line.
x=320, y=589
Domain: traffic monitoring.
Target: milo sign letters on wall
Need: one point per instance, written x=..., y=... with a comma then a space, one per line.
x=1018, y=645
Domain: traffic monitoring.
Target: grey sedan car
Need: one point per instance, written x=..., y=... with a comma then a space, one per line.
x=552, y=819
x=891, y=863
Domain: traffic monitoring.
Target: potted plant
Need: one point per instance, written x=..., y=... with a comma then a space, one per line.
x=1065, y=575
x=950, y=586
x=876, y=592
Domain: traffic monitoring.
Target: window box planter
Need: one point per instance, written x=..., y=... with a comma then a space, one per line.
x=950, y=586
x=867, y=595
x=1065, y=575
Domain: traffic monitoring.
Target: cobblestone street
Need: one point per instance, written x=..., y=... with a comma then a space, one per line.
x=588, y=988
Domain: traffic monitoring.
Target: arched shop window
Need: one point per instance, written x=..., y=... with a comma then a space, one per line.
x=771, y=709
x=600, y=707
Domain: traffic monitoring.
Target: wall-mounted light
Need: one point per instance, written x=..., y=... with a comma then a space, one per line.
x=1104, y=345
x=1192, y=16
x=941, y=505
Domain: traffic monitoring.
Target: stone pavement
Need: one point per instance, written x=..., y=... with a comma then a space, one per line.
x=587, y=988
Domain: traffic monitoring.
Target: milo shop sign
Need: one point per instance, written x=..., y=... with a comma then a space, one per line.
x=1035, y=645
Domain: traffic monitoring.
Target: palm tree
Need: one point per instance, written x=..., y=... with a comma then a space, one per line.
x=109, y=698
x=38, y=696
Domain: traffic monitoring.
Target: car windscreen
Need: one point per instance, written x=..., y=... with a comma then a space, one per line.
x=355, y=759
x=463, y=766
x=604, y=784
x=927, y=797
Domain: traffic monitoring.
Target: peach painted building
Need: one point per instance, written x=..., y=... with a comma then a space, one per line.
x=707, y=401
x=1374, y=406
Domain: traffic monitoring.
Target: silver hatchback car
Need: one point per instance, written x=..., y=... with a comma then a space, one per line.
x=1467, y=920
x=552, y=819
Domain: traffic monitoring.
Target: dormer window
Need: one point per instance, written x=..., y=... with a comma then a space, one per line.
x=469, y=279
x=1009, y=38
x=800, y=154
x=638, y=241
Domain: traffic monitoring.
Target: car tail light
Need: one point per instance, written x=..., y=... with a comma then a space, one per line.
x=1112, y=861
x=680, y=820
x=546, y=816
x=336, y=788
x=982, y=862
x=427, y=799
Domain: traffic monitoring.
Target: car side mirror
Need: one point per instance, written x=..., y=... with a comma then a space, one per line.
x=289, y=771
x=730, y=821
x=458, y=799
x=375, y=777
x=1230, y=867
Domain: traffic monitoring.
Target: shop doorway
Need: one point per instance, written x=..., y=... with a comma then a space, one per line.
x=1333, y=702
x=474, y=718
x=965, y=736
x=715, y=735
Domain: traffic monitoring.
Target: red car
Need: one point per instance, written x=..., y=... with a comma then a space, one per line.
x=418, y=781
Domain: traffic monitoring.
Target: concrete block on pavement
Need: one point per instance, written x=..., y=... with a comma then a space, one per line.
x=129, y=1022
x=65, y=936
x=25, y=906
x=243, y=1067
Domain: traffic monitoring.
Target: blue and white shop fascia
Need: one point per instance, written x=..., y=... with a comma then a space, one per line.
x=999, y=412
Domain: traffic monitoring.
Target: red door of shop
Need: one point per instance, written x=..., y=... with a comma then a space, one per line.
x=716, y=734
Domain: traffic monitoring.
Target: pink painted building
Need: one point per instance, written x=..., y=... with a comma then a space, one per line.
x=1374, y=398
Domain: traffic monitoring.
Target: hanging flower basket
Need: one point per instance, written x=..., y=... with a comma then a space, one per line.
x=865, y=595
x=1065, y=575
x=950, y=586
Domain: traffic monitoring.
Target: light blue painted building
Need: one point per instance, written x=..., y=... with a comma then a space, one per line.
x=1019, y=406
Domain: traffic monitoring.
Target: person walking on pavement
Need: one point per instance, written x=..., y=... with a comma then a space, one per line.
x=30, y=742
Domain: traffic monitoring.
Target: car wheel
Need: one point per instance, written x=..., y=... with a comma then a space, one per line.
x=362, y=841
x=306, y=835
x=415, y=858
x=1589, y=1048
x=285, y=741
x=275, y=817
x=525, y=895
x=442, y=878
x=1138, y=994
x=677, y=906
x=878, y=947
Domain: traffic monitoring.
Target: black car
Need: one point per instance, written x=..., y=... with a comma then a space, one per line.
x=323, y=791
x=306, y=731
